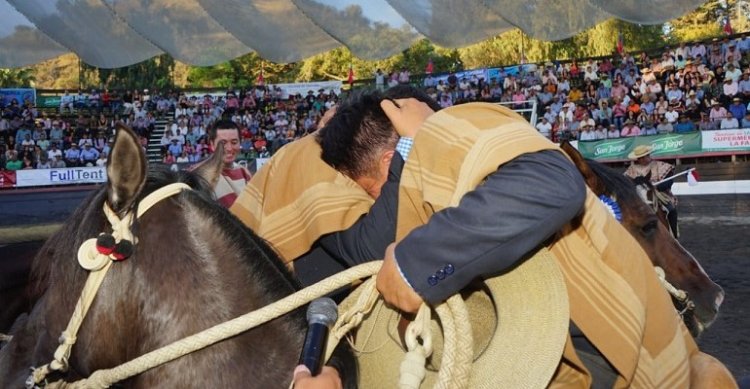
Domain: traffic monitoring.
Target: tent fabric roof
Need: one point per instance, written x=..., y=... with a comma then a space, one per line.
x=116, y=33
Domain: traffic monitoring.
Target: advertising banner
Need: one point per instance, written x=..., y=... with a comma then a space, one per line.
x=7, y=179
x=44, y=101
x=666, y=145
x=726, y=140
x=64, y=176
x=479, y=73
x=20, y=94
x=304, y=87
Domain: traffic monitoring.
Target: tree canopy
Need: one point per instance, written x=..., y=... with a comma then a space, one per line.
x=504, y=49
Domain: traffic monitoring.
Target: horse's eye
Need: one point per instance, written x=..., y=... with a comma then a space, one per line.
x=649, y=228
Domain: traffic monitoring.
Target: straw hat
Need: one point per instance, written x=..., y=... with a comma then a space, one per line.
x=640, y=151
x=519, y=324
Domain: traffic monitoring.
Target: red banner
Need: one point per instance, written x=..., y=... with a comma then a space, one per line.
x=7, y=179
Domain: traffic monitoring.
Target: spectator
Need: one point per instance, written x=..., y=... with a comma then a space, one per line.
x=664, y=127
x=587, y=133
x=174, y=148
x=737, y=109
x=718, y=112
x=684, y=126
x=746, y=121
x=729, y=122
x=671, y=115
x=46, y=164
x=13, y=163
x=102, y=160
x=59, y=162
x=67, y=103
x=613, y=132
x=600, y=133
x=544, y=127
x=648, y=128
x=379, y=79
x=706, y=124
x=89, y=155
x=630, y=129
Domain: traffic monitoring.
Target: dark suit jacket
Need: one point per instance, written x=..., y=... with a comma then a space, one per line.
x=497, y=224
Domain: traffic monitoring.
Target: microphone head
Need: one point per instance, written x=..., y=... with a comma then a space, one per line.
x=323, y=311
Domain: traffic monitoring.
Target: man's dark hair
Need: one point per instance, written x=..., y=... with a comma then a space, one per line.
x=355, y=136
x=360, y=131
x=404, y=91
x=223, y=124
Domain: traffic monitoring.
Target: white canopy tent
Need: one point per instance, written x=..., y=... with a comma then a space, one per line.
x=116, y=33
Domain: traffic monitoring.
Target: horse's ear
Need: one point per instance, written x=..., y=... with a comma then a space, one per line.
x=592, y=180
x=126, y=169
x=210, y=169
x=648, y=177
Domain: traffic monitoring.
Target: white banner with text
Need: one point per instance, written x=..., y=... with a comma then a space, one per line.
x=63, y=176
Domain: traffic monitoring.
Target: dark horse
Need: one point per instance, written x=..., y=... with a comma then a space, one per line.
x=652, y=233
x=194, y=266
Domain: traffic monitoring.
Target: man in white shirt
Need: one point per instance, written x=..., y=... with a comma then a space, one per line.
x=729, y=122
x=586, y=134
x=698, y=50
x=600, y=133
x=544, y=127
x=732, y=72
x=613, y=132
x=671, y=115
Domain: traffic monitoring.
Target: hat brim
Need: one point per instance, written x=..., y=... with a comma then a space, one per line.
x=633, y=155
x=519, y=323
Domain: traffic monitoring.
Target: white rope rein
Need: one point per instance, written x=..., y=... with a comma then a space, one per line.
x=97, y=264
x=457, y=352
x=679, y=294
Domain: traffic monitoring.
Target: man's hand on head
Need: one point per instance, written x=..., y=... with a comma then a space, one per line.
x=393, y=287
x=406, y=115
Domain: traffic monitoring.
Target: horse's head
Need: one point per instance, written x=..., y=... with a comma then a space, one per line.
x=643, y=223
x=192, y=265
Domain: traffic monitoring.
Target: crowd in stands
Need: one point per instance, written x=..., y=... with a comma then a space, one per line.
x=695, y=86
x=80, y=133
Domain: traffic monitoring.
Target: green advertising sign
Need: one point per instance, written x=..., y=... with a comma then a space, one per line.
x=48, y=101
x=663, y=145
x=607, y=149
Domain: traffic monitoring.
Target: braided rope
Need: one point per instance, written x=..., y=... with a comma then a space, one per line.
x=98, y=264
x=679, y=294
x=107, y=377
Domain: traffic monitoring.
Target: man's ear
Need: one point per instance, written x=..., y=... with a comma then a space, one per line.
x=385, y=159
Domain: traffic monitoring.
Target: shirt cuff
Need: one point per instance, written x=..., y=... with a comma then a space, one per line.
x=404, y=146
x=403, y=276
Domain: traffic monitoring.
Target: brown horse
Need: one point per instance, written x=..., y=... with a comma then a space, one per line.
x=194, y=266
x=681, y=268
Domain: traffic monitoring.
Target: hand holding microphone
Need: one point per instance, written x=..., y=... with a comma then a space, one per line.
x=322, y=313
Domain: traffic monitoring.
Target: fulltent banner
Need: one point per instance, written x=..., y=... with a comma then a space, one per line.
x=63, y=176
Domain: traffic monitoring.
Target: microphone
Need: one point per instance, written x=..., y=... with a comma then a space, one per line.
x=321, y=314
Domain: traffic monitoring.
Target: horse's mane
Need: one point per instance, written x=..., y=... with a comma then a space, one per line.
x=88, y=221
x=615, y=182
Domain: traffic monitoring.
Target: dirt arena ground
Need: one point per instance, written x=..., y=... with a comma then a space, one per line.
x=714, y=228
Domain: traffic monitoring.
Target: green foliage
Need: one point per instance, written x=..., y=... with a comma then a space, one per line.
x=152, y=73
x=16, y=78
x=700, y=24
x=504, y=49
x=241, y=72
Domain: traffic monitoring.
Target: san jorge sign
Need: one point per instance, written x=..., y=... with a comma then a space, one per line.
x=663, y=145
